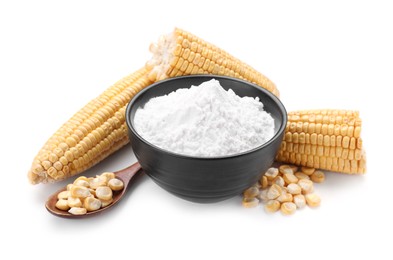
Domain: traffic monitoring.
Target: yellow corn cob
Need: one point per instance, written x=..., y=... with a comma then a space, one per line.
x=99, y=128
x=181, y=53
x=324, y=139
x=91, y=135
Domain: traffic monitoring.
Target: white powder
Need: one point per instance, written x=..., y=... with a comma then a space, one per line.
x=205, y=121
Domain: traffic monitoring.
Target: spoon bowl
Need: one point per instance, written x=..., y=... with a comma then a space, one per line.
x=126, y=175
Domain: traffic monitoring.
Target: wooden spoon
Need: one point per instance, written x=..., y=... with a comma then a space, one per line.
x=126, y=175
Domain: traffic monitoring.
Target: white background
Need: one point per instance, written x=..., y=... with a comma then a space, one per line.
x=57, y=55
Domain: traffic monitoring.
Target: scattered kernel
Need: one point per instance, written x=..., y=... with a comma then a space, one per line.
x=284, y=188
x=285, y=169
x=274, y=192
x=279, y=181
x=313, y=200
x=271, y=173
x=263, y=195
x=306, y=185
x=285, y=197
x=288, y=208
x=250, y=202
x=299, y=200
x=272, y=206
x=318, y=177
x=301, y=175
x=294, y=168
x=257, y=185
x=308, y=170
x=264, y=182
x=290, y=178
x=294, y=189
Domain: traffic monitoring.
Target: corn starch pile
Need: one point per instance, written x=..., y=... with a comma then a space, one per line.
x=204, y=121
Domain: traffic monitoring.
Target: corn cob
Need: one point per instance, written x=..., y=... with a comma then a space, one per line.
x=181, y=53
x=324, y=139
x=91, y=135
x=98, y=129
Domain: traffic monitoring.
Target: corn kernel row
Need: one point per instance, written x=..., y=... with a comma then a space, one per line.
x=326, y=139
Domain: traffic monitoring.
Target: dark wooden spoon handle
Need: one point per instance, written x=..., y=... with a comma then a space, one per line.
x=128, y=173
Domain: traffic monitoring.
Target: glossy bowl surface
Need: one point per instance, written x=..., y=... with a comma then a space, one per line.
x=202, y=179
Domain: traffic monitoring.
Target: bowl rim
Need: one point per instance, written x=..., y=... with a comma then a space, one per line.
x=280, y=105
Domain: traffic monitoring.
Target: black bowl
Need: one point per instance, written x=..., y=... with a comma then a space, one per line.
x=202, y=179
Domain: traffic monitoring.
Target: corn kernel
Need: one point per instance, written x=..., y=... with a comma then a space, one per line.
x=63, y=195
x=301, y=175
x=81, y=178
x=108, y=175
x=82, y=183
x=62, y=204
x=251, y=192
x=318, y=177
x=294, y=189
x=77, y=211
x=92, y=204
x=257, y=185
x=313, y=200
x=105, y=193
x=306, y=185
x=250, y=202
x=308, y=170
x=279, y=181
x=274, y=192
x=299, y=200
x=264, y=182
x=285, y=197
x=97, y=182
x=79, y=191
x=285, y=169
x=262, y=196
x=271, y=173
x=74, y=202
x=294, y=168
x=272, y=206
x=105, y=203
x=115, y=184
x=92, y=192
x=290, y=178
x=288, y=208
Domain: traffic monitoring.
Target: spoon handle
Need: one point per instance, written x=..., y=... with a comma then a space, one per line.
x=127, y=173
